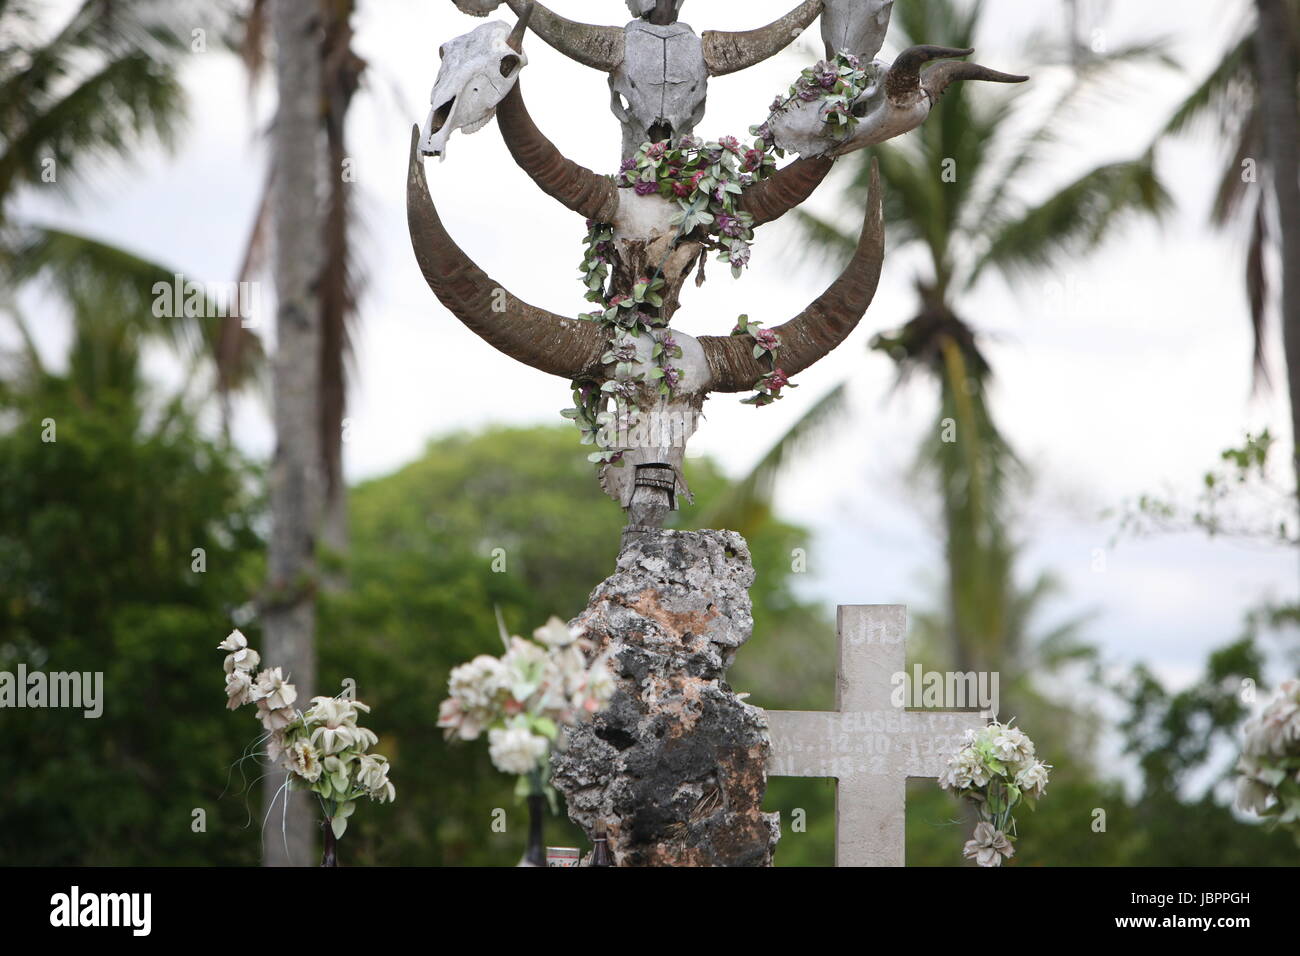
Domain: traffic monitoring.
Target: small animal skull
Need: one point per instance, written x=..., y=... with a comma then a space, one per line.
x=856, y=26
x=478, y=70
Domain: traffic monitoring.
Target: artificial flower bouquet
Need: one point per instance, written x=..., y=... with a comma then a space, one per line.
x=997, y=770
x=523, y=700
x=1269, y=784
x=323, y=750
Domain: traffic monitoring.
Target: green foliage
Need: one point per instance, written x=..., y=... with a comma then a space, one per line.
x=1243, y=498
x=97, y=549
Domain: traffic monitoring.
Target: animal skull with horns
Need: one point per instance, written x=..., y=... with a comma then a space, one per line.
x=478, y=70
x=897, y=103
x=650, y=482
x=658, y=67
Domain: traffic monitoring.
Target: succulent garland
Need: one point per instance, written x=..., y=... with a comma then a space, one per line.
x=706, y=180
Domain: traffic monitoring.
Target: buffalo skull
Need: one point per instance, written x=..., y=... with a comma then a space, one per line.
x=478, y=70
x=856, y=26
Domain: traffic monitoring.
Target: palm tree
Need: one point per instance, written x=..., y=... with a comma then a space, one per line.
x=969, y=222
x=342, y=70
x=1277, y=50
x=95, y=88
x=1230, y=99
x=296, y=488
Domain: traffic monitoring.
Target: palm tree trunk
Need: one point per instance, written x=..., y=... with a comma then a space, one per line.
x=1277, y=84
x=295, y=485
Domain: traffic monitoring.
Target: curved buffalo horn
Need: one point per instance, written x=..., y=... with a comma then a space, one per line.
x=728, y=52
x=569, y=348
x=942, y=75
x=598, y=47
x=785, y=189
x=586, y=193
x=516, y=39
x=820, y=327
x=904, y=78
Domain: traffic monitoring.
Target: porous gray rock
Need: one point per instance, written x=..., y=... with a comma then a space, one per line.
x=675, y=767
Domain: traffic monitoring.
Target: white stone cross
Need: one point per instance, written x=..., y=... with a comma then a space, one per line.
x=867, y=744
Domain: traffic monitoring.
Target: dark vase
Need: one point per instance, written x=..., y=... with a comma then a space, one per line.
x=535, y=854
x=331, y=854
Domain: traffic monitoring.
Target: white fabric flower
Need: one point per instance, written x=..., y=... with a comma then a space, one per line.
x=1253, y=796
x=989, y=846
x=1033, y=779
x=272, y=689
x=1012, y=746
x=234, y=642
x=304, y=760
x=479, y=683
x=372, y=775
x=556, y=634
x=275, y=719
x=333, y=724
x=526, y=668
x=239, y=685
x=516, y=750
x=965, y=769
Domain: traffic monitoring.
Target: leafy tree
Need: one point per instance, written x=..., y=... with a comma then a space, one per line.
x=126, y=543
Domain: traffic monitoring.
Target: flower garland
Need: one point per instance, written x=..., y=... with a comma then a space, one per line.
x=1269, y=784
x=997, y=770
x=766, y=343
x=323, y=750
x=706, y=180
x=524, y=700
x=839, y=83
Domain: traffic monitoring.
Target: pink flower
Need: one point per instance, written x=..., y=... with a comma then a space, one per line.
x=777, y=381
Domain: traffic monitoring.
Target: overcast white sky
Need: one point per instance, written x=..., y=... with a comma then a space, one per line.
x=1124, y=373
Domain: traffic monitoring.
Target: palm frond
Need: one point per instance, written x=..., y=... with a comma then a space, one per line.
x=106, y=79
x=1077, y=219
x=1222, y=93
x=120, y=289
x=1095, y=79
